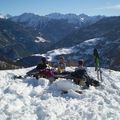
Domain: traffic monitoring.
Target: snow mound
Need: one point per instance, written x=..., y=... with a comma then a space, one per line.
x=66, y=85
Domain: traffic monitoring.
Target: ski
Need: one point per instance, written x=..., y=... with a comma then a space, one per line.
x=97, y=65
x=98, y=74
x=100, y=71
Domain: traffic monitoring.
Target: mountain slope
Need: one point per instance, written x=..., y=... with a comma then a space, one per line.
x=6, y=64
x=52, y=29
x=17, y=41
x=107, y=30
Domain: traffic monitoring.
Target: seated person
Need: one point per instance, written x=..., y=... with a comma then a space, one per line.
x=44, y=69
x=61, y=65
x=79, y=74
x=42, y=64
x=81, y=77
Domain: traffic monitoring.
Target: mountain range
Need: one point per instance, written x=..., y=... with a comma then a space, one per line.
x=55, y=26
x=21, y=35
x=28, y=34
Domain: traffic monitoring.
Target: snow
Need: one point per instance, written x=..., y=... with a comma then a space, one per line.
x=31, y=99
x=68, y=84
x=51, y=54
x=40, y=39
x=4, y=16
x=1, y=16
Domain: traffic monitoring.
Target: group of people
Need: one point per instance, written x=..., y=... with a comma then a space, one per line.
x=79, y=76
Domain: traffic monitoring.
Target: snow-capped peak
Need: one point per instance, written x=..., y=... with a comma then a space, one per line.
x=4, y=16
x=8, y=16
x=1, y=16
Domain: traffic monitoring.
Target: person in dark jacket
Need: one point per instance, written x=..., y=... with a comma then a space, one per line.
x=42, y=64
x=44, y=69
x=80, y=73
x=41, y=70
x=81, y=77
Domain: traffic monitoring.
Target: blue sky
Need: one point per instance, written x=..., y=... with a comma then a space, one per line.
x=43, y=7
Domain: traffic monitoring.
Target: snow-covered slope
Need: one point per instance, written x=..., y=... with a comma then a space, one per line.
x=86, y=46
x=84, y=50
x=31, y=99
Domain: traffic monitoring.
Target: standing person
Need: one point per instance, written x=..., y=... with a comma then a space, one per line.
x=61, y=65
